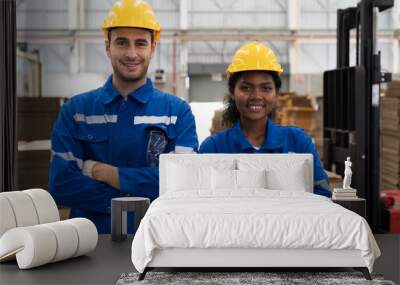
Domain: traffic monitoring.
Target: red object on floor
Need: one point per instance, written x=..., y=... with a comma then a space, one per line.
x=395, y=194
x=388, y=202
x=394, y=224
x=391, y=200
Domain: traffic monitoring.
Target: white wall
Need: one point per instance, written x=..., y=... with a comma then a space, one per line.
x=67, y=85
x=203, y=114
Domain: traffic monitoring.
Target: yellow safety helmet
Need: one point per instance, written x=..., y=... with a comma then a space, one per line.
x=254, y=56
x=131, y=13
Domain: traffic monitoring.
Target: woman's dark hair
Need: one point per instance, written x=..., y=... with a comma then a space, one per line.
x=231, y=114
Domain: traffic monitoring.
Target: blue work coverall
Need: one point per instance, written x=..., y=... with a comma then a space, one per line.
x=101, y=125
x=279, y=139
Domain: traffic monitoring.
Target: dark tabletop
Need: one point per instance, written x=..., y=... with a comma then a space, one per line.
x=110, y=259
x=104, y=265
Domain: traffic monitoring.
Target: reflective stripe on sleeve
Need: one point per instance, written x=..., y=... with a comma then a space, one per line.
x=183, y=149
x=155, y=120
x=95, y=119
x=69, y=156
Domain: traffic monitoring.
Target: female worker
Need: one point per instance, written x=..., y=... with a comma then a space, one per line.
x=254, y=82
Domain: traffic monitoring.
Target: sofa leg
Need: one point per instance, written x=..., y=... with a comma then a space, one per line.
x=364, y=271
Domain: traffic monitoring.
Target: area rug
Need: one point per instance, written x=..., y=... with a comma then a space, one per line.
x=243, y=278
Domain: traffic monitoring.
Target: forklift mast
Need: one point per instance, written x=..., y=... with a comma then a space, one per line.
x=351, y=103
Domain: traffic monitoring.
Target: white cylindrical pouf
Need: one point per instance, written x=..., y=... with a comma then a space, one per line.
x=23, y=208
x=46, y=208
x=87, y=234
x=33, y=246
x=67, y=239
x=7, y=218
x=40, y=244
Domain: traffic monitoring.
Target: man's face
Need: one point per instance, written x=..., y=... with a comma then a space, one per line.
x=130, y=51
x=255, y=95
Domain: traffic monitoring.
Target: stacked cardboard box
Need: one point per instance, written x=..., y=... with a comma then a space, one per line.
x=390, y=137
x=335, y=180
x=304, y=112
x=298, y=111
x=319, y=127
x=216, y=124
x=283, y=102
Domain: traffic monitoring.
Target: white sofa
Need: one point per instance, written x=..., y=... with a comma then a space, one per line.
x=31, y=231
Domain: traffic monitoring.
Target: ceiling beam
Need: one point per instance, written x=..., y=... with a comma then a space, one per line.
x=97, y=36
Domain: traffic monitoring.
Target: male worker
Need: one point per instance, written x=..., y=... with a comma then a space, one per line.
x=106, y=142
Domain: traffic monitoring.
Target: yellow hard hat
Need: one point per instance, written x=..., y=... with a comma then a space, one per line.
x=254, y=56
x=131, y=13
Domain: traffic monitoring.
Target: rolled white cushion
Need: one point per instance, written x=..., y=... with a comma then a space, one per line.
x=66, y=238
x=40, y=244
x=87, y=235
x=7, y=218
x=46, y=208
x=23, y=208
x=33, y=246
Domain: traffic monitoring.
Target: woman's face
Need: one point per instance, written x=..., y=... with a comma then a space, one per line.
x=255, y=95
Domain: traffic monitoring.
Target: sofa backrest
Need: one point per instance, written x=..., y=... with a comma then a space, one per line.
x=26, y=208
x=174, y=166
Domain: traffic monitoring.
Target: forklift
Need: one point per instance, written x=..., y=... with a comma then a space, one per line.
x=351, y=119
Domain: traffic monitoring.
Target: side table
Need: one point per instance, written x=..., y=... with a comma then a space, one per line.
x=119, y=209
x=357, y=205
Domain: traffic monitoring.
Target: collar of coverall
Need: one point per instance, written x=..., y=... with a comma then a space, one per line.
x=273, y=132
x=142, y=94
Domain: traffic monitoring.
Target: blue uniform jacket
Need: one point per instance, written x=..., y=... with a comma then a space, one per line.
x=279, y=139
x=100, y=125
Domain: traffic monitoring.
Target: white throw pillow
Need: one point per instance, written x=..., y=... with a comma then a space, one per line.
x=227, y=179
x=293, y=178
x=183, y=177
x=251, y=178
x=223, y=179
